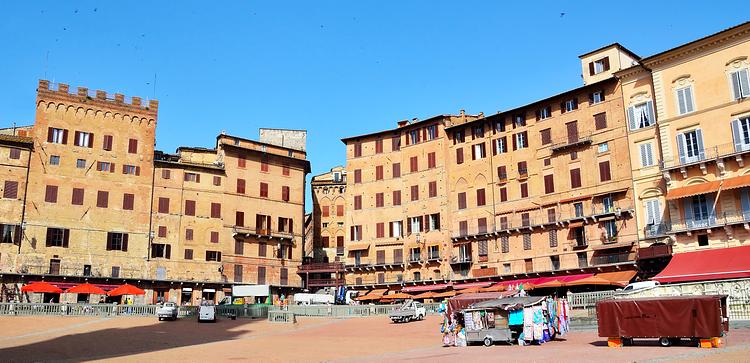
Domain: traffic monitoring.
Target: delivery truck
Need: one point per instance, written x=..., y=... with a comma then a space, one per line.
x=668, y=319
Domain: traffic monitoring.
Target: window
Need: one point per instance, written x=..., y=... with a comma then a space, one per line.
x=262, y=273
x=240, y=186
x=357, y=150
x=599, y=66
x=583, y=259
x=503, y=222
x=610, y=230
x=339, y=212
x=10, y=233
x=500, y=125
x=396, y=197
x=379, y=230
x=239, y=218
x=413, y=164
x=604, y=173
x=216, y=256
x=215, y=210
x=415, y=224
x=503, y=194
x=641, y=115
x=459, y=155
x=14, y=154
x=544, y=113
x=414, y=192
x=285, y=193
x=653, y=212
x=433, y=222
x=379, y=200
x=483, y=248
x=54, y=160
x=117, y=241
x=83, y=139
x=603, y=147
x=164, y=205
x=477, y=132
x=526, y=241
x=569, y=105
x=413, y=137
x=600, y=121
x=264, y=163
x=549, y=184
x=482, y=225
x=107, y=143
x=379, y=172
x=238, y=271
x=357, y=202
x=502, y=173
x=130, y=169
x=189, y=207
x=433, y=252
x=690, y=146
x=10, y=190
x=396, y=229
x=478, y=152
x=573, y=155
x=102, y=199
x=504, y=244
x=702, y=240
x=740, y=84
x=162, y=231
x=132, y=146
x=115, y=271
x=396, y=170
x=520, y=141
x=500, y=145
x=552, y=238
x=192, y=177
x=264, y=190
x=481, y=197
x=647, y=157
x=463, y=228
x=575, y=178
x=462, y=200
x=432, y=193
x=57, y=136
x=524, y=190
x=396, y=143
x=685, y=100
x=578, y=208
x=596, y=97
x=128, y=201
x=241, y=161
x=166, y=174
x=357, y=176
x=523, y=170
x=81, y=163
x=458, y=136
x=519, y=120
x=741, y=134
x=431, y=162
x=555, y=262
x=431, y=132
x=188, y=254
x=379, y=146
x=546, y=136
x=608, y=205
x=50, y=194
x=547, y=161
x=57, y=237
x=696, y=210
x=355, y=233
x=217, y=181
x=188, y=234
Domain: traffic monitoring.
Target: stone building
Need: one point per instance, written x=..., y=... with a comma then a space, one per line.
x=103, y=206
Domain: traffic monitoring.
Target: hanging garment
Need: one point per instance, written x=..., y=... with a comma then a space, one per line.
x=515, y=317
x=538, y=322
x=528, y=324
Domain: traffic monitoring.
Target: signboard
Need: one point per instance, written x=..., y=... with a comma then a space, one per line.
x=250, y=290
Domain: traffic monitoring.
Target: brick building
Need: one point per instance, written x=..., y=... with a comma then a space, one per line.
x=103, y=206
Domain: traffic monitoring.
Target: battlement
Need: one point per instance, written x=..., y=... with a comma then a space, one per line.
x=84, y=95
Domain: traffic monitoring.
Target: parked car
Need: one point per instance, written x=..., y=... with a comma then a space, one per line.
x=167, y=311
x=408, y=311
x=207, y=312
x=640, y=285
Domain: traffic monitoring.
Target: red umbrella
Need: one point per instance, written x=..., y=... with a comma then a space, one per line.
x=41, y=286
x=126, y=289
x=86, y=288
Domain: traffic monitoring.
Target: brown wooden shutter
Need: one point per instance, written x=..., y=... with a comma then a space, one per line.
x=549, y=184
x=503, y=194
x=413, y=164
x=50, y=194
x=524, y=190
x=379, y=172
x=215, y=210
x=240, y=186
x=214, y=237
x=600, y=120
x=109, y=241
x=65, y=137
x=189, y=207
x=188, y=234
x=133, y=146
x=241, y=161
x=324, y=211
x=285, y=193
x=482, y=225
x=127, y=201
x=76, y=138
x=480, y=197
x=390, y=229
x=50, y=132
x=264, y=190
x=605, y=61
x=515, y=147
x=91, y=140
x=459, y=155
x=473, y=152
x=397, y=170
x=11, y=189
x=414, y=192
x=357, y=176
x=396, y=197
x=502, y=174
x=261, y=274
x=125, y=242
x=111, y=167
x=125, y=170
x=66, y=238
x=433, y=189
x=379, y=230
x=102, y=199
x=164, y=205
x=462, y=200
x=575, y=178
x=591, y=68
x=604, y=171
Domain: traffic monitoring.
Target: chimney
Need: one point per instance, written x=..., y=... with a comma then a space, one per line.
x=403, y=123
x=101, y=95
x=462, y=113
x=83, y=91
x=119, y=97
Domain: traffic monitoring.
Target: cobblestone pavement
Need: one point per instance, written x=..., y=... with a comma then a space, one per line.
x=311, y=340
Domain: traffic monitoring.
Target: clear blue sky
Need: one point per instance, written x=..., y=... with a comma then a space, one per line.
x=336, y=69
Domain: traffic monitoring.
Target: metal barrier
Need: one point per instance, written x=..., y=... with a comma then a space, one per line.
x=581, y=300
x=282, y=317
x=341, y=311
x=243, y=311
x=240, y=311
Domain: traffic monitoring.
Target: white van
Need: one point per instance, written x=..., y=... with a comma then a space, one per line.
x=640, y=285
x=207, y=312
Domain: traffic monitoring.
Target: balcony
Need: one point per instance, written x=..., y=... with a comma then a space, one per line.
x=724, y=219
x=260, y=232
x=457, y=260
x=654, y=251
x=710, y=154
x=614, y=258
x=433, y=256
x=322, y=267
x=571, y=141
x=656, y=230
x=415, y=258
x=325, y=282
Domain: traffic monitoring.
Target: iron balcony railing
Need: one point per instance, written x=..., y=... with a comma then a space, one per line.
x=705, y=154
x=656, y=230
x=711, y=221
x=571, y=140
x=654, y=251
x=613, y=258
x=262, y=231
x=322, y=266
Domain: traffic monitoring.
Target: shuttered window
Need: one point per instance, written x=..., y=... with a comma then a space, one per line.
x=189, y=207
x=380, y=230
x=396, y=197
x=414, y=193
x=128, y=200
x=285, y=193
x=239, y=219
x=413, y=164
x=604, y=172
x=284, y=276
x=357, y=202
x=396, y=143
x=241, y=161
x=264, y=190
x=647, y=157
x=189, y=234
x=188, y=254
x=357, y=150
x=551, y=215
x=460, y=155
x=462, y=200
x=264, y=164
x=166, y=174
x=107, y=143
x=215, y=210
x=213, y=256
x=549, y=184
x=214, y=237
x=117, y=241
x=481, y=197
x=162, y=231
x=164, y=205
x=14, y=154
x=132, y=146
x=240, y=186
x=526, y=241
x=262, y=274
x=502, y=173
x=600, y=120
x=357, y=176
x=238, y=271
x=102, y=199
x=503, y=194
x=433, y=189
x=483, y=248
x=10, y=189
x=50, y=194
x=379, y=200
x=431, y=162
x=463, y=228
x=396, y=170
x=285, y=170
x=378, y=146
x=504, y=244
x=740, y=84
x=217, y=181
x=575, y=178
x=482, y=225
x=546, y=136
x=503, y=222
x=379, y=172
x=524, y=190
x=553, y=238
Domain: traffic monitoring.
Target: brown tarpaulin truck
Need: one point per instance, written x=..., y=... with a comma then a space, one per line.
x=667, y=318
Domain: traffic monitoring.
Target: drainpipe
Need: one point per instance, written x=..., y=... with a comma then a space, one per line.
x=23, y=208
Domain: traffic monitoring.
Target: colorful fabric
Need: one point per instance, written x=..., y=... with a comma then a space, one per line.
x=515, y=317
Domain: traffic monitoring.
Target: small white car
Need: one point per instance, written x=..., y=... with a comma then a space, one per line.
x=640, y=285
x=207, y=312
x=167, y=311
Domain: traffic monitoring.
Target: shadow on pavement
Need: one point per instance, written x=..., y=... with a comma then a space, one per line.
x=117, y=342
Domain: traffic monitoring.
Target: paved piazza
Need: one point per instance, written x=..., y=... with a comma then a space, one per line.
x=310, y=340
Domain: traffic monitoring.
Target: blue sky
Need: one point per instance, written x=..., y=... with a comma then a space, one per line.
x=333, y=68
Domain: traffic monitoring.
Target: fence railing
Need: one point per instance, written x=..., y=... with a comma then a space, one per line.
x=240, y=311
x=582, y=300
x=282, y=317
x=340, y=311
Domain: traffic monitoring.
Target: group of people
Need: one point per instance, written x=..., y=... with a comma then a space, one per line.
x=452, y=328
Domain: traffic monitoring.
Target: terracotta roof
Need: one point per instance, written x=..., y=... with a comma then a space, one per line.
x=16, y=139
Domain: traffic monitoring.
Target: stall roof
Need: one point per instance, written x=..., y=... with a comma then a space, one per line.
x=420, y=288
x=471, y=285
x=508, y=301
x=717, y=264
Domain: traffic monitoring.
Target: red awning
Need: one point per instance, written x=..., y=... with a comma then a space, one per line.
x=691, y=190
x=470, y=285
x=432, y=287
x=41, y=286
x=717, y=264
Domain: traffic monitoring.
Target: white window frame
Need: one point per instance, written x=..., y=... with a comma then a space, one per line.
x=414, y=137
x=741, y=133
x=415, y=223
x=599, y=66
x=520, y=141
x=398, y=229
x=545, y=113
x=692, y=141
x=740, y=89
x=431, y=132
x=570, y=105
x=518, y=121
x=433, y=221
x=130, y=169
x=610, y=228
x=337, y=176
x=596, y=97
x=501, y=147
x=684, y=100
x=646, y=151
x=603, y=147
x=57, y=136
x=83, y=139
x=640, y=113
x=479, y=151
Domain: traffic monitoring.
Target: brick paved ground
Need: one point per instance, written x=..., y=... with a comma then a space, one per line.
x=312, y=339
